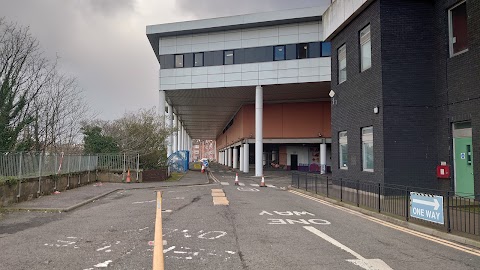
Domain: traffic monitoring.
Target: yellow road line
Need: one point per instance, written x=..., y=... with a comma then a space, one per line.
x=393, y=226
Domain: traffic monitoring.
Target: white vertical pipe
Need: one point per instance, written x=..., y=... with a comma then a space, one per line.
x=241, y=161
x=246, y=156
x=258, y=131
x=235, y=157
x=323, y=158
x=175, y=134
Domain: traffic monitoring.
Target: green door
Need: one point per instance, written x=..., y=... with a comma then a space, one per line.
x=463, y=167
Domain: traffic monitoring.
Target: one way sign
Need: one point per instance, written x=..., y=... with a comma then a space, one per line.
x=426, y=207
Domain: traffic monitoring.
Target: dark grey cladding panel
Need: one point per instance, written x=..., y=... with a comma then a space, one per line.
x=188, y=60
x=208, y=59
x=239, y=56
x=290, y=51
x=167, y=61
x=218, y=58
x=314, y=49
x=268, y=53
x=250, y=56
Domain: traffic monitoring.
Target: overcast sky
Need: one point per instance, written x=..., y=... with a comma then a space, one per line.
x=103, y=42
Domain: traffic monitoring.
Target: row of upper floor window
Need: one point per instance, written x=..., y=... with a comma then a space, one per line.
x=247, y=55
x=458, y=41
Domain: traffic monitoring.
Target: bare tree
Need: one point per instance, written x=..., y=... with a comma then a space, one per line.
x=23, y=74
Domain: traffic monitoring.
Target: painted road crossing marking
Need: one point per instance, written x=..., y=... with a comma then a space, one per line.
x=224, y=183
x=371, y=264
x=254, y=185
x=426, y=207
x=219, y=197
x=437, y=240
x=241, y=184
x=247, y=189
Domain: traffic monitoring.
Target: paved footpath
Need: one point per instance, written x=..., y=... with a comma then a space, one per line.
x=258, y=228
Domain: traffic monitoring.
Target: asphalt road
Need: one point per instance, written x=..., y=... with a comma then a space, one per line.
x=261, y=228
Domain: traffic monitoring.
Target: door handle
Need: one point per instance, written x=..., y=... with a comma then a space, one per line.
x=469, y=154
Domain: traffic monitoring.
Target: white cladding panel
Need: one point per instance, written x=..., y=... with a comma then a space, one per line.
x=338, y=12
x=268, y=73
x=236, y=39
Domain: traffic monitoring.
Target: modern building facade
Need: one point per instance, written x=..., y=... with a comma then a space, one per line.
x=257, y=84
x=406, y=91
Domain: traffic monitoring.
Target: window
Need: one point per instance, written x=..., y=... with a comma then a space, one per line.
x=198, y=60
x=279, y=53
x=326, y=49
x=179, y=60
x=365, y=49
x=458, y=29
x=367, y=149
x=228, y=57
x=342, y=64
x=302, y=51
x=343, y=149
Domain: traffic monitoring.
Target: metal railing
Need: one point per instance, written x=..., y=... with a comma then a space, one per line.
x=462, y=213
x=21, y=165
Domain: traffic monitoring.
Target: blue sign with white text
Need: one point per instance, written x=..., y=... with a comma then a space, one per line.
x=426, y=207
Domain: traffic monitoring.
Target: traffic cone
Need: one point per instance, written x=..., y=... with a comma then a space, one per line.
x=236, y=180
x=128, y=176
x=203, y=168
x=262, y=184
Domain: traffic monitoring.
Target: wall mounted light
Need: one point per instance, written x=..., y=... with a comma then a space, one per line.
x=375, y=110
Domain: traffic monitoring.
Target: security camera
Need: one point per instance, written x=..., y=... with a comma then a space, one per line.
x=332, y=93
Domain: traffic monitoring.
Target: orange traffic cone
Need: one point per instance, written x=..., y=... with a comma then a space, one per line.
x=203, y=168
x=128, y=176
x=236, y=180
x=262, y=184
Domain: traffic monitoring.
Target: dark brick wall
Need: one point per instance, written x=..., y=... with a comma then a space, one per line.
x=419, y=88
x=356, y=97
x=457, y=83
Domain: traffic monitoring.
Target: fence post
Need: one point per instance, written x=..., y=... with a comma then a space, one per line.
x=341, y=189
x=138, y=164
x=79, y=170
x=407, y=204
x=306, y=182
x=298, y=181
x=327, y=186
x=124, y=167
x=88, y=175
x=379, y=191
x=316, y=178
x=68, y=171
x=39, y=175
x=449, y=228
x=358, y=198
x=20, y=161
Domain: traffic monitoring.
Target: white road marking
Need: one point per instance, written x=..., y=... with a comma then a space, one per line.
x=100, y=249
x=254, y=185
x=247, y=189
x=144, y=202
x=375, y=264
x=168, y=249
x=241, y=184
x=225, y=183
x=271, y=186
x=230, y=252
x=166, y=211
x=104, y=264
x=220, y=234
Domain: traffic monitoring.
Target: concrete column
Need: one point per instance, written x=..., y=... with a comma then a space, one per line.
x=229, y=158
x=246, y=158
x=179, y=134
x=180, y=137
x=242, y=160
x=175, y=134
x=323, y=158
x=220, y=156
x=161, y=105
x=258, y=131
x=169, y=125
x=235, y=157
x=226, y=157
x=184, y=136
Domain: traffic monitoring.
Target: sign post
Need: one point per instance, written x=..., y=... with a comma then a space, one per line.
x=426, y=207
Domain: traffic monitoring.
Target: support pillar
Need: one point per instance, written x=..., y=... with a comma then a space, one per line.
x=246, y=158
x=175, y=134
x=241, y=161
x=323, y=158
x=235, y=157
x=258, y=131
x=225, y=155
x=161, y=109
x=169, y=125
x=229, y=158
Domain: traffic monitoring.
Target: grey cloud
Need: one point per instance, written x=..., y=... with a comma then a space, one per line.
x=109, y=7
x=213, y=8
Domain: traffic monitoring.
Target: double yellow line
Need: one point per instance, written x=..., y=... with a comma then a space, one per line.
x=393, y=226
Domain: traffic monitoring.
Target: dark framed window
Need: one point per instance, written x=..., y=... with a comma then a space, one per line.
x=326, y=49
x=365, y=49
x=302, y=50
x=198, y=60
x=342, y=63
x=279, y=53
x=228, y=57
x=179, y=60
x=457, y=16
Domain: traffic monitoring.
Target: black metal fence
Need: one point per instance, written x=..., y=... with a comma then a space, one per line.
x=461, y=213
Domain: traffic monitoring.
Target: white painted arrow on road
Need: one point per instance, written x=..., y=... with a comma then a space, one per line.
x=435, y=203
x=369, y=264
